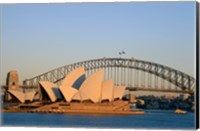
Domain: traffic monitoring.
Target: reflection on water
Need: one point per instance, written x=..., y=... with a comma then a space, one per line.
x=151, y=119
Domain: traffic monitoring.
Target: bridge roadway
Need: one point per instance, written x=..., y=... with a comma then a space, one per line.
x=25, y=87
x=158, y=90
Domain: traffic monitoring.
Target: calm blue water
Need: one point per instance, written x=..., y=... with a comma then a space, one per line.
x=152, y=119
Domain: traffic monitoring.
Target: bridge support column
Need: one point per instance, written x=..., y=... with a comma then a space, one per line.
x=12, y=83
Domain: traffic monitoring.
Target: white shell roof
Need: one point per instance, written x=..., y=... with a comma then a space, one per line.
x=119, y=91
x=91, y=87
x=22, y=97
x=71, y=77
x=77, y=96
x=107, y=90
x=68, y=92
x=30, y=95
x=47, y=86
x=18, y=94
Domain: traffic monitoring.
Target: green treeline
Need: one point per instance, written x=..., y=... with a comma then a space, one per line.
x=154, y=102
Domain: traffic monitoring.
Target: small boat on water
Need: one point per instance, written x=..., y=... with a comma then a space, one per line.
x=179, y=111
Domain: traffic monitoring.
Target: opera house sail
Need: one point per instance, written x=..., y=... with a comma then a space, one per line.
x=21, y=96
x=93, y=88
x=107, y=90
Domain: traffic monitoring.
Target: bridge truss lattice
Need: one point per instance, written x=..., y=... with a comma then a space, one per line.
x=133, y=73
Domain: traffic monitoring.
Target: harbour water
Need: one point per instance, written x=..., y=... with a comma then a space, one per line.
x=151, y=119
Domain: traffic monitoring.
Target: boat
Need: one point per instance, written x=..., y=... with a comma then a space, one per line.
x=179, y=111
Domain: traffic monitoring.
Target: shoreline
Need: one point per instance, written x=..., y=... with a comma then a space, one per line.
x=78, y=112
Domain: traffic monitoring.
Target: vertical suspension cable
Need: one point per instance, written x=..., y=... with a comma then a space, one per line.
x=115, y=75
x=131, y=71
x=111, y=73
x=145, y=80
x=136, y=78
x=125, y=76
x=108, y=73
x=121, y=76
x=162, y=83
x=169, y=85
x=118, y=77
x=129, y=81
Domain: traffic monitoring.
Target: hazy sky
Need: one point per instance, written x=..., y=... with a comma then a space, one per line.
x=36, y=38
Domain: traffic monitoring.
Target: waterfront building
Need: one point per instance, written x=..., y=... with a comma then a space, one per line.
x=75, y=87
x=76, y=94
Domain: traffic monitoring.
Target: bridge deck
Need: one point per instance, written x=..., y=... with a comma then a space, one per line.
x=127, y=88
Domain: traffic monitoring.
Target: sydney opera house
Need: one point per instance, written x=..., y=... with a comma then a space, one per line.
x=76, y=93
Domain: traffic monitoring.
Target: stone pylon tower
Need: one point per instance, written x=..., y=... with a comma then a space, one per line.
x=12, y=83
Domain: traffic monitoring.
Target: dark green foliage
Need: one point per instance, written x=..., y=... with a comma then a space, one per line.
x=154, y=102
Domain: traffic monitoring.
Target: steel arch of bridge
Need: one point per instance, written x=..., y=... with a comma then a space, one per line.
x=121, y=71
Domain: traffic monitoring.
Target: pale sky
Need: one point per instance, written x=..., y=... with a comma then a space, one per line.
x=36, y=38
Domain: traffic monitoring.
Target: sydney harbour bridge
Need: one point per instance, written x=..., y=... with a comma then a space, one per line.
x=130, y=72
